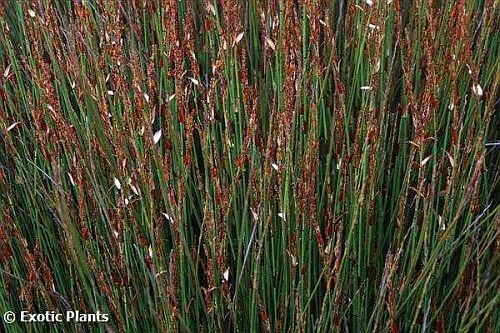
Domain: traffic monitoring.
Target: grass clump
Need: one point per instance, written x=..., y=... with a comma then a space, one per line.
x=288, y=166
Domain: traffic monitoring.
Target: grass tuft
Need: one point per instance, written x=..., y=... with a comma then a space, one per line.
x=244, y=166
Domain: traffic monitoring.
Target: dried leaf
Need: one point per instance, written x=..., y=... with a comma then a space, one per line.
x=7, y=71
x=117, y=183
x=225, y=275
x=11, y=127
x=270, y=43
x=477, y=90
x=157, y=136
x=239, y=37
x=425, y=160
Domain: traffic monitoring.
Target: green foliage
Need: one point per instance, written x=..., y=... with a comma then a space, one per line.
x=227, y=166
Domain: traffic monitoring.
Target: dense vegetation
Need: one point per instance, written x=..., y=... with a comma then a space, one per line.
x=275, y=166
